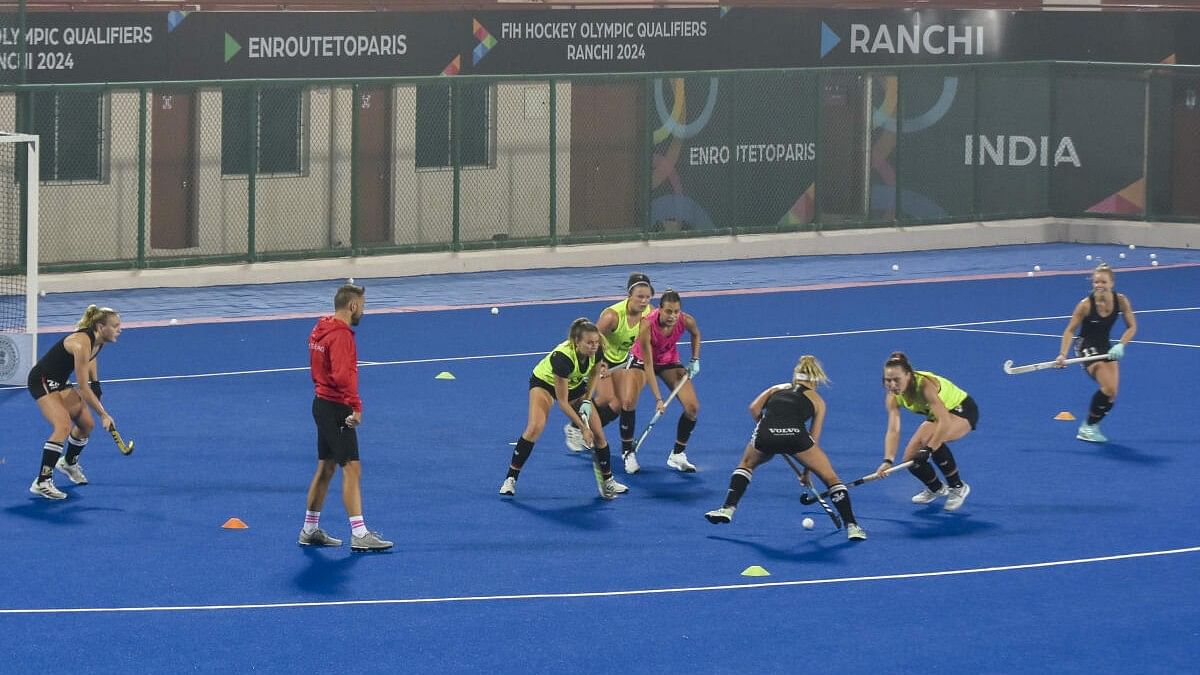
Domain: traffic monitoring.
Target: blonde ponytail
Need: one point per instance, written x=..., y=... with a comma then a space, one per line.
x=809, y=371
x=94, y=315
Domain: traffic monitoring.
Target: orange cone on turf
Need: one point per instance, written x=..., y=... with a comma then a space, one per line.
x=1064, y=416
x=235, y=524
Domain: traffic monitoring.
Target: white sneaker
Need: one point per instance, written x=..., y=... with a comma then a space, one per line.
x=73, y=471
x=854, y=532
x=509, y=486
x=1090, y=433
x=720, y=516
x=925, y=496
x=574, y=438
x=611, y=485
x=631, y=463
x=957, y=496
x=679, y=462
x=46, y=489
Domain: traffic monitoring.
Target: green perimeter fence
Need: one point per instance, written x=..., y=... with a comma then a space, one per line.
x=165, y=174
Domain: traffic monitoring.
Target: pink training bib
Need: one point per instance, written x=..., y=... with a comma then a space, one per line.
x=663, y=345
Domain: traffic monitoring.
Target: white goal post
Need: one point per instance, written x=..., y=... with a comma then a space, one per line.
x=19, y=258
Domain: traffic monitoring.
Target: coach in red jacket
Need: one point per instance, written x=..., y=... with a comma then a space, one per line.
x=337, y=411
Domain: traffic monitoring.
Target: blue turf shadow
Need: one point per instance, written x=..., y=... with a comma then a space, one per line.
x=61, y=512
x=1110, y=451
x=328, y=569
x=585, y=516
x=938, y=524
x=803, y=552
x=668, y=484
x=1124, y=453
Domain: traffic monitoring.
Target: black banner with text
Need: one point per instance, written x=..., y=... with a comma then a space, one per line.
x=110, y=47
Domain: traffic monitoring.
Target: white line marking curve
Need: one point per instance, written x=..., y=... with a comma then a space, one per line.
x=611, y=594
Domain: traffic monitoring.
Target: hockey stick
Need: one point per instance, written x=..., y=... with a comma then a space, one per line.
x=658, y=415
x=837, y=522
x=126, y=449
x=585, y=416
x=807, y=498
x=1019, y=370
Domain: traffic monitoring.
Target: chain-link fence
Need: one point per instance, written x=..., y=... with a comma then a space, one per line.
x=153, y=175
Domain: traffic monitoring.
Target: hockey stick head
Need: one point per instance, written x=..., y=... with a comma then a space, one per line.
x=125, y=448
x=1008, y=367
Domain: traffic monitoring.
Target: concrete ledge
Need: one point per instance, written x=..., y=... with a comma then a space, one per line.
x=832, y=242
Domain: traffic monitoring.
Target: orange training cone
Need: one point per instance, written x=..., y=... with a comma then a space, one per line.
x=1065, y=416
x=235, y=524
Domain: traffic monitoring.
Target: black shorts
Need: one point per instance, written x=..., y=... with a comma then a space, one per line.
x=968, y=411
x=335, y=440
x=637, y=364
x=573, y=394
x=790, y=441
x=1089, y=349
x=623, y=364
x=39, y=386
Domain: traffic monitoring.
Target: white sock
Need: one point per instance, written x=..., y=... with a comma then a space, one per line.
x=311, y=520
x=358, y=527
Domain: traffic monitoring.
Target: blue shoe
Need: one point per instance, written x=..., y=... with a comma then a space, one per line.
x=1091, y=433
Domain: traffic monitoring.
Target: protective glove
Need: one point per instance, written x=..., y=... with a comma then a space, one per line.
x=585, y=411
x=693, y=368
x=1116, y=352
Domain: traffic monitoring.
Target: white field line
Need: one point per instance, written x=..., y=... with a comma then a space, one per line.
x=611, y=594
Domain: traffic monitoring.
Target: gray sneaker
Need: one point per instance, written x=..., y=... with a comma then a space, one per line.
x=46, y=489
x=926, y=496
x=370, y=541
x=318, y=537
x=72, y=471
x=854, y=532
x=957, y=496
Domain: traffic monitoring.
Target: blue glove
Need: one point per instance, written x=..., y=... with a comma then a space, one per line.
x=1116, y=351
x=585, y=411
x=693, y=368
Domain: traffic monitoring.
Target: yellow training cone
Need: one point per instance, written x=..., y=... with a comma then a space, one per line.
x=1065, y=416
x=444, y=375
x=755, y=571
x=235, y=524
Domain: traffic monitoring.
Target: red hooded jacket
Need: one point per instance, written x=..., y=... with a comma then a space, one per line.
x=333, y=359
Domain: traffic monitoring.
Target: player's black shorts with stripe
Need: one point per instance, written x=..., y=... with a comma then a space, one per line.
x=335, y=440
x=968, y=411
x=39, y=385
x=773, y=441
x=1090, y=348
x=535, y=381
x=623, y=364
x=638, y=364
